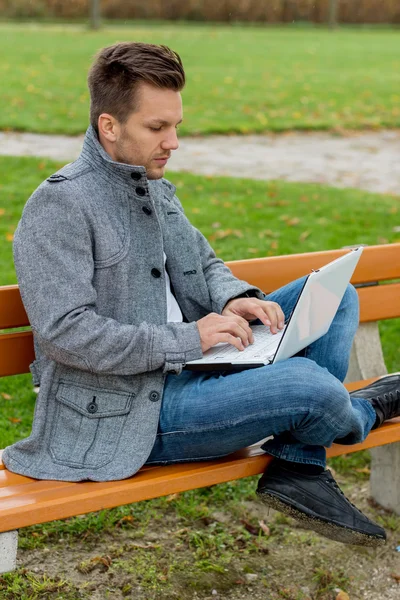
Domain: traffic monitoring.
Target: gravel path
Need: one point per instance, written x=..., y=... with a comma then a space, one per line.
x=365, y=160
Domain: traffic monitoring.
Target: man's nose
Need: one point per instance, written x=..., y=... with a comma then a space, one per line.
x=171, y=142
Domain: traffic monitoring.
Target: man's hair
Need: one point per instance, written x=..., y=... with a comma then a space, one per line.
x=118, y=70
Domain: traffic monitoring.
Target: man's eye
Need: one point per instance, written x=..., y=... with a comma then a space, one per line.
x=155, y=128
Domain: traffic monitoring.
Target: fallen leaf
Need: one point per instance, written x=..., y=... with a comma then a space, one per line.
x=342, y=596
x=9, y=237
x=303, y=236
x=14, y=420
x=264, y=527
x=249, y=527
x=395, y=577
x=6, y=396
x=2, y=211
x=278, y=203
x=143, y=545
x=364, y=470
x=127, y=519
x=172, y=497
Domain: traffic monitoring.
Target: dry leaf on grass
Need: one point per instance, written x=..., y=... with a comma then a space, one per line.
x=249, y=527
x=124, y=520
x=264, y=527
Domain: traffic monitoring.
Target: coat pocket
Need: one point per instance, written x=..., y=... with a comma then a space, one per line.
x=87, y=425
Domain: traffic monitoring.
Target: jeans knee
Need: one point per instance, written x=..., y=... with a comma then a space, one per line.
x=326, y=397
x=350, y=301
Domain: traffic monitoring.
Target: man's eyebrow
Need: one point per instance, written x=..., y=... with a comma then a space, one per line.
x=161, y=122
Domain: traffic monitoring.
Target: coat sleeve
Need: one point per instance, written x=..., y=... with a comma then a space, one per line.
x=222, y=284
x=53, y=254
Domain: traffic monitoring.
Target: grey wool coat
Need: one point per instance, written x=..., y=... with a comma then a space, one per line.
x=89, y=259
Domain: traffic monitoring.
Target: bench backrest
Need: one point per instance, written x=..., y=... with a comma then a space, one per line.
x=376, y=278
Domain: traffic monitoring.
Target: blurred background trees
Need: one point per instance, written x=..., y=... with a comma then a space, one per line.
x=267, y=11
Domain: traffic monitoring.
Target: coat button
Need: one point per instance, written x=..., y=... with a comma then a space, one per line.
x=146, y=210
x=136, y=176
x=92, y=407
x=140, y=191
x=156, y=273
x=154, y=396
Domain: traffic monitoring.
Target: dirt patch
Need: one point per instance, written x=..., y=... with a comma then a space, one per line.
x=365, y=160
x=222, y=553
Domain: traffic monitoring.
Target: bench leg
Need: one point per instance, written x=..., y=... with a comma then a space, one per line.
x=8, y=551
x=367, y=361
x=366, y=358
x=385, y=476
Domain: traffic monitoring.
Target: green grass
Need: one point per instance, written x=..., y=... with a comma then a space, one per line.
x=240, y=78
x=210, y=538
x=241, y=218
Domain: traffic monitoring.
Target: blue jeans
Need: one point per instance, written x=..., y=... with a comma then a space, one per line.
x=301, y=401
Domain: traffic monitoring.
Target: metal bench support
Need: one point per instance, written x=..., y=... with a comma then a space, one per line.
x=8, y=551
x=367, y=361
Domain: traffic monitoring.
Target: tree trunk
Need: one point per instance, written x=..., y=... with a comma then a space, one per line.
x=94, y=22
x=333, y=6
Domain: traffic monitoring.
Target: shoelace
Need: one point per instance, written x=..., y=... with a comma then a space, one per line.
x=391, y=397
x=330, y=479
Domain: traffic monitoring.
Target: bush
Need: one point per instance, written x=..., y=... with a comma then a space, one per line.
x=269, y=11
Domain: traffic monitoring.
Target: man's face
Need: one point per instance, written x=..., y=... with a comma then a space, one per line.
x=150, y=133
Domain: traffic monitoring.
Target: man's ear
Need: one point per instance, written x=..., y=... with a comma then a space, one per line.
x=108, y=127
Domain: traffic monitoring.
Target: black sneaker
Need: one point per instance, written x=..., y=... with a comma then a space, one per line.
x=319, y=504
x=384, y=395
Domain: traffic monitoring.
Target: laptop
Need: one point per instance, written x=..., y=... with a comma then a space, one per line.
x=310, y=319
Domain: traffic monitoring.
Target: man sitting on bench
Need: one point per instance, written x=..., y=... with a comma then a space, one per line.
x=121, y=291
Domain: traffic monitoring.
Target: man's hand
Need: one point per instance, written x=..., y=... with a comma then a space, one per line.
x=231, y=328
x=269, y=313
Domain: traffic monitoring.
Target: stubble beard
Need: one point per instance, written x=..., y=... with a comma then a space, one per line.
x=122, y=156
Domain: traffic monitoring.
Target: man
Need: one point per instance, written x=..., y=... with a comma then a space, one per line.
x=122, y=291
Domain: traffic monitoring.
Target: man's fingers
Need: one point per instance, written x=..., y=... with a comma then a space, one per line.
x=239, y=330
x=230, y=339
x=271, y=315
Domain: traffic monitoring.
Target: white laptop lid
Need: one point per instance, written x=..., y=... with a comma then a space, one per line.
x=311, y=318
x=317, y=305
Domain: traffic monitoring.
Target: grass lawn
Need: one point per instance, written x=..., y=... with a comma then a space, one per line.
x=240, y=78
x=184, y=546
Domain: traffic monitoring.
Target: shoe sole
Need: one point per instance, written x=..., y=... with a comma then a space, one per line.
x=327, y=529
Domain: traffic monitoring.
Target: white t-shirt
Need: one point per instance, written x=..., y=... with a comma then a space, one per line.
x=173, y=311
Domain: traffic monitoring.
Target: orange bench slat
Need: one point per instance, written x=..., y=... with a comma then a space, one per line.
x=12, y=311
x=16, y=352
x=50, y=502
x=377, y=263
x=379, y=302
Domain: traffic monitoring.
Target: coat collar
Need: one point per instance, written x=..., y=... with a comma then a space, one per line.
x=94, y=153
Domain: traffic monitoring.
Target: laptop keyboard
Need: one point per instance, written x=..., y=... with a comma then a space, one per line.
x=263, y=349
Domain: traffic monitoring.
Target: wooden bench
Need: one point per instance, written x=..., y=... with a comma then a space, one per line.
x=25, y=501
